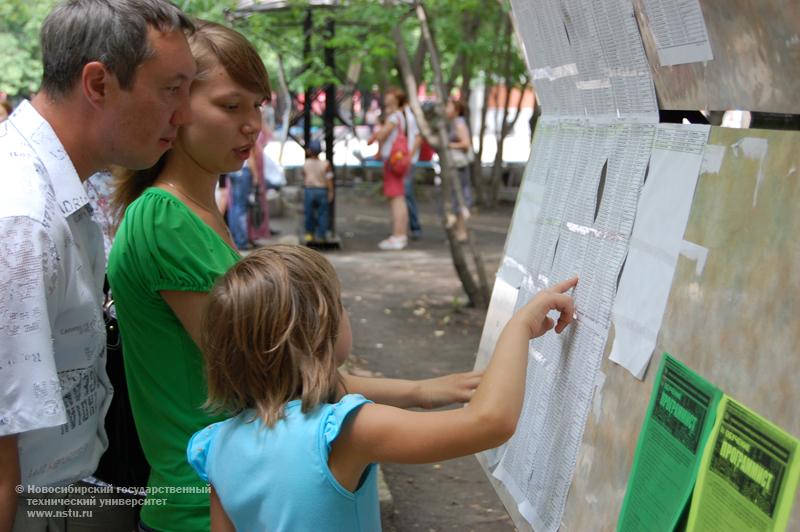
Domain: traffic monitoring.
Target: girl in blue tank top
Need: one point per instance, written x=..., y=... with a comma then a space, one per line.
x=300, y=452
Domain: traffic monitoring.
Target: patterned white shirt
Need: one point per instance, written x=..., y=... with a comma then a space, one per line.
x=54, y=391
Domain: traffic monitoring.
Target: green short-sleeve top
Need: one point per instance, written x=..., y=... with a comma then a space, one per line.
x=162, y=245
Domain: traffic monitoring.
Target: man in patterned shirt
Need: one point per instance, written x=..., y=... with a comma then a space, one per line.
x=114, y=91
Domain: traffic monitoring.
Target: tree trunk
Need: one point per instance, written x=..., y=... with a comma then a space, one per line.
x=497, y=167
x=537, y=112
x=349, y=88
x=466, y=91
x=418, y=66
x=463, y=62
x=384, y=80
x=496, y=175
x=506, y=128
x=286, y=100
x=478, y=179
x=477, y=292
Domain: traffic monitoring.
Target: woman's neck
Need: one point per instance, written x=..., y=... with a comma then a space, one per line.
x=183, y=173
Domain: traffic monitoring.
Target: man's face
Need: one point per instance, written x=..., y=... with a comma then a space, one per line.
x=142, y=122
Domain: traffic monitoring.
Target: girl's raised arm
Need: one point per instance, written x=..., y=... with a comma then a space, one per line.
x=381, y=433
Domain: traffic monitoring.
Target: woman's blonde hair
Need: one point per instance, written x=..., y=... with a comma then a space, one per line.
x=212, y=44
x=269, y=331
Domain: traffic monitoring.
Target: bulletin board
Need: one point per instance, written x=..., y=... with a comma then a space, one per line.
x=733, y=319
x=733, y=296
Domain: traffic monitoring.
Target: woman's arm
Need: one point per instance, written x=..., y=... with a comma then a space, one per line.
x=188, y=307
x=384, y=132
x=381, y=433
x=219, y=519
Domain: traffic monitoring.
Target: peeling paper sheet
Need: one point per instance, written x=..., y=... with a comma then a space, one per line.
x=699, y=254
x=554, y=73
x=529, y=202
x=680, y=31
x=756, y=149
x=597, y=400
x=712, y=159
x=657, y=238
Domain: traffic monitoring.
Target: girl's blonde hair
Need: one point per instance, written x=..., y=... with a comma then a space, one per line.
x=269, y=331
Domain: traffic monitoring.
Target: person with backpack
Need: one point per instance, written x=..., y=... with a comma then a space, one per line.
x=393, y=139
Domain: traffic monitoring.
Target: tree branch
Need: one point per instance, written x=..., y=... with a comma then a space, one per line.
x=419, y=59
x=513, y=122
x=410, y=83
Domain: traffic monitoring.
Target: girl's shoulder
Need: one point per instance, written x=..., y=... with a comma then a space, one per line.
x=336, y=414
x=200, y=444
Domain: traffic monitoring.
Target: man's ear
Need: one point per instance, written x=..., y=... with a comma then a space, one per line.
x=96, y=81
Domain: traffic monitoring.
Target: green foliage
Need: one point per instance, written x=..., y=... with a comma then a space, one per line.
x=20, y=62
x=362, y=30
x=213, y=10
x=467, y=33
x=20, y=21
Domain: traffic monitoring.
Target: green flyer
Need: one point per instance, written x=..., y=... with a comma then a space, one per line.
x=676, y=427
x=748, y=477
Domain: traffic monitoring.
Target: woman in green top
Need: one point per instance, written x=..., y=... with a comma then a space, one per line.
x=170, y=247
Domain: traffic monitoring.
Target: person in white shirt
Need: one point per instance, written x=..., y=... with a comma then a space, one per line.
x=394, y=102
x=114, y=91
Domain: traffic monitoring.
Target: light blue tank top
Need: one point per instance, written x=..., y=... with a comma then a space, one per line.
x=278, y=479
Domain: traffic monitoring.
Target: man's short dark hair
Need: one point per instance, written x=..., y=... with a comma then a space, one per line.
x=113, y=32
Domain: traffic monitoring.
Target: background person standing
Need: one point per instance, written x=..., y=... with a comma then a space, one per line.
x=317, y=193
x=460, y=146
x=414, y=143
x=393, y=184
